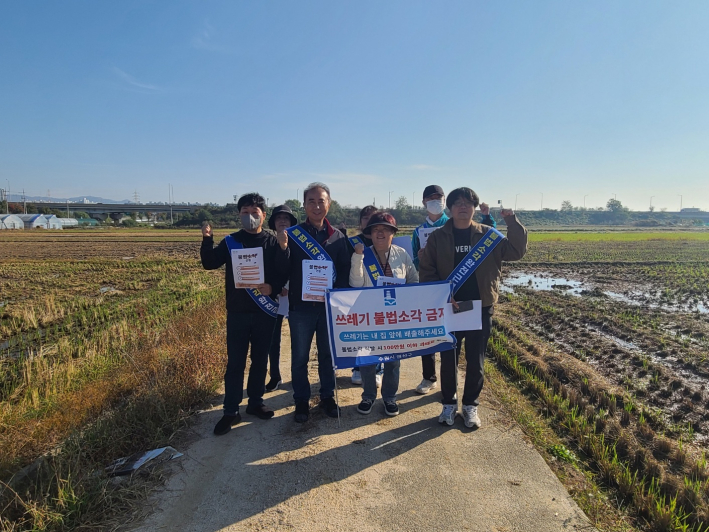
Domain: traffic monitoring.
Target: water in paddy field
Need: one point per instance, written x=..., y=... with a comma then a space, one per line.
x=547, y=282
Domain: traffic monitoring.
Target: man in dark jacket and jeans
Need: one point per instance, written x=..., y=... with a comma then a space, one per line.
x=445, y=250
x=308, y=318
x=248, y=318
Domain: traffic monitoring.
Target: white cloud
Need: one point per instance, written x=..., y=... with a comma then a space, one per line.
x=204, y=40
x=134, y=83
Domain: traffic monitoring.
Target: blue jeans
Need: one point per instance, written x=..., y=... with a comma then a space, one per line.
x=303, y=325
x=380, y=368
x=390, y=381
x=242, y=329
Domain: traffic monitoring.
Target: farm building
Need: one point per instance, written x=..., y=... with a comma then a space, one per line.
x=11, y=221
x=33, y=221
x=68, y=222
x=53, y=222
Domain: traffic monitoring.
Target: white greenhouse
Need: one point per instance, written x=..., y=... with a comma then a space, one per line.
x=11, y=221
x=68, y=222
x=53, y=222
x=33, y=221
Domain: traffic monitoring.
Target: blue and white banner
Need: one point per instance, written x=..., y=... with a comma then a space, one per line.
x=383, y=324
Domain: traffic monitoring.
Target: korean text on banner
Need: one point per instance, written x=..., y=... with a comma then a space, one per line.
x=383, y=324
x=247, y=265
x=424, y=233
x=317, y=278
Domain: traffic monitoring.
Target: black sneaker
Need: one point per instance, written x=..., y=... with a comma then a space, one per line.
x=330, y=406
x=260, y=411
x=273, y=385
x=391, y=408
x=302, y=411
x=365, y=407
x=225, y=424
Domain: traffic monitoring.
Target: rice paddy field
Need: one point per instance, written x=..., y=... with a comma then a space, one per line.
x=608, y=337
x=110, y=338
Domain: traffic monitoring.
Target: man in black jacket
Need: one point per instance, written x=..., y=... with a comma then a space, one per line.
x=308, y=318
x=250, y=316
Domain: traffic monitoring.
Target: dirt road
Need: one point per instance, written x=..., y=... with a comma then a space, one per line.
x=367, y=473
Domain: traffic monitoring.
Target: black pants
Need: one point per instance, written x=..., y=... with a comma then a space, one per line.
x=428, y=364
x=475, y=345
x=242, y=329
x=274, y=352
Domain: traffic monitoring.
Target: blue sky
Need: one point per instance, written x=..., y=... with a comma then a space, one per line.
x=522, y=101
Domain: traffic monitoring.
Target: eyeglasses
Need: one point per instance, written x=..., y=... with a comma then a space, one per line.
x=462, y=204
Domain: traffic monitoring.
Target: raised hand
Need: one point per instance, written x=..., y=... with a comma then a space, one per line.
x=359, y=249
x=484, y=209
x=282, y=237
x=507, y=212
x=206, y=230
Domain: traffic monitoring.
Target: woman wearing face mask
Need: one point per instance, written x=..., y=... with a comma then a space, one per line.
x=248, y=322
x=394, y=262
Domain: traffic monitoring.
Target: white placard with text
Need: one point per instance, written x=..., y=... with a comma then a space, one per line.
x=247, y=265
x=317, y=278
x=424, y=233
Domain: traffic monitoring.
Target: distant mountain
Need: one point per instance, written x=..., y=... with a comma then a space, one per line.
x=46, y=199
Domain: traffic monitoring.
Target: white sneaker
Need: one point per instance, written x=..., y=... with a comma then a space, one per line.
x=378, y=378
x=448, y=414
x=470, y=415
x=426, y=386
x=356, y=377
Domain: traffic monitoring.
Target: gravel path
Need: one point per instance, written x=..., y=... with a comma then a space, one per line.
x=367, y=473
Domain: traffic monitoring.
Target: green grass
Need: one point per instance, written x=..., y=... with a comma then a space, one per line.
x=630, y=236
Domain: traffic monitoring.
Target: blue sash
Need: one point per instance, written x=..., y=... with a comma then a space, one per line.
x=308, y=244
x=474, y=258
x=265, y=303
x=354, y=240
x=372, y=266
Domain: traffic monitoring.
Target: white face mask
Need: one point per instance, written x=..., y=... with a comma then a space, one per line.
x=435, y=206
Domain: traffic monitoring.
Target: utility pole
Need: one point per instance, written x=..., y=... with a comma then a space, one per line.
x=680, y=202
x=390, y=192
x=67, y=208
x=518, y=193
x=169, y=195
x=584, y=201
x=651, y=202
x=541, y=205
x=24, y=201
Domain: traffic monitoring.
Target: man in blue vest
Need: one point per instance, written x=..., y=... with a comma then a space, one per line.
x=251, y=313
x=312, y=242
